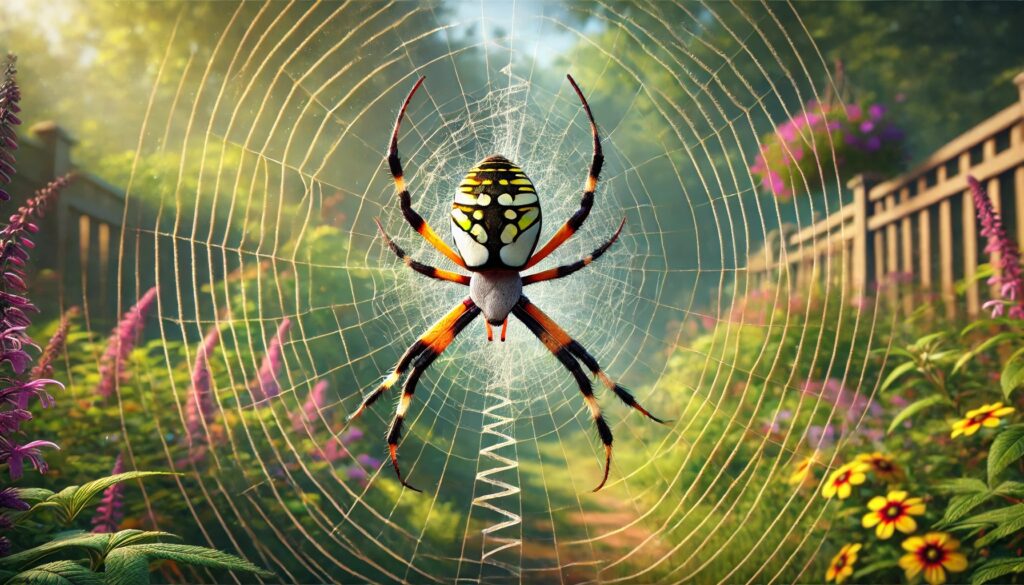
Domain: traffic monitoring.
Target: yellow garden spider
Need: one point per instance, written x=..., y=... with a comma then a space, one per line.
x=495, y=222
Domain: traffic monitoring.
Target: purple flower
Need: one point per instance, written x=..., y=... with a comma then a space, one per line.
x=821, y=437
x=1008, y=275
x=14, y=455
x=314, y=402
x=368, y=461
x=109, y=513
x=121, y=343
x=876, y=111
x=265, y=385
x=10, y=420
x=867, y=126
x=356, y=473
x=10, y=95
x=200, y=408
x=21, y=391
x=10, y=500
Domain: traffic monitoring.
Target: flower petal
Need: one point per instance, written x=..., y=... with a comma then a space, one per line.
x=906, y=524
x=955, y=562
x=876, y=503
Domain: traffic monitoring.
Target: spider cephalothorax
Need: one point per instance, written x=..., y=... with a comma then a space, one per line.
x=496, y=222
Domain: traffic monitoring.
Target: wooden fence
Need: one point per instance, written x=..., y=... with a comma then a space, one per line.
x=920, y=224
x=78, y=238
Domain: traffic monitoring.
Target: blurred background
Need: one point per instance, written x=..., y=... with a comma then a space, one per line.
x=793, y=180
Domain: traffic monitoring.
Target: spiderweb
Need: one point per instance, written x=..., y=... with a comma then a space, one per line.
x=278, y=127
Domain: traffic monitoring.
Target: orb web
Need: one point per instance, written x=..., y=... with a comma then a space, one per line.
x=278, y=136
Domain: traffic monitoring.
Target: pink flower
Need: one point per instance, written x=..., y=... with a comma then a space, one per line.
x=265, y=385
x=310, y=409
x=200, y=408
x=121, y=343
x=109, y=513
x=1008, y=278
x=44, y=366
x=853, y=112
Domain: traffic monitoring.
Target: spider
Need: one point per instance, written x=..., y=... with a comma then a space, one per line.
x=495, y=223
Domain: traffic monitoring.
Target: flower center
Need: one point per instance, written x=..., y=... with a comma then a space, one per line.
x=843, y=478
x=932, y=554
x=893, y=510
x=883, y=465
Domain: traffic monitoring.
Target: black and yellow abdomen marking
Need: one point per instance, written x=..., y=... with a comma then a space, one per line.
x=496, y=216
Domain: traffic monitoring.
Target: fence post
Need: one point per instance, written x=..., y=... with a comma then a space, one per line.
x=58, y=145
x=863, y=252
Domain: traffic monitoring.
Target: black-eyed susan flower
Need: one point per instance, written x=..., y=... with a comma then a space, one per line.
x=988, y=415
x=934, y=554
x=802, y=471
x=842, y=564
x=883, y=466
x=893, y=512
x=842, y=480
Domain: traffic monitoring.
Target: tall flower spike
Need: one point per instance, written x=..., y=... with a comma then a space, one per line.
x=1008, y=276
x=314, y=402
x=10, y=95
x=265, y=385
x=200, y=409
x=122, y=341
x=44, y=365
x=109, y=513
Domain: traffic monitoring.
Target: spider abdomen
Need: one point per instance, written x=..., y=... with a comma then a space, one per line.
x=495, y=292
x=496, y=217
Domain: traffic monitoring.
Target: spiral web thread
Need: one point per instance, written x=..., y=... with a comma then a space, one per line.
x=303, y=90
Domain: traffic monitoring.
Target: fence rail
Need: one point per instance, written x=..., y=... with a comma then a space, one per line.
x=921, y=223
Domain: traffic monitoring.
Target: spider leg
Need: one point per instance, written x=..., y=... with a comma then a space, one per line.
x=587, y=201
x=423, y=361
x=428, y=271
x=559, y=335
x=567, y=269
x=564, y=355
x=395, y=165
x=421, y=345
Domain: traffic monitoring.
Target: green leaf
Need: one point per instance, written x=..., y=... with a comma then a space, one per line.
x=995, y=568
x=1006, y=449
x=962, y=485
x=57, y=573
x=1011, y=523
x=132, y=536
x=983, y=346
x=33, y=494
x=1012, y=376
x=874, y=568
x=129, y=565
x=93, y=543
x=73, y=499
x=915, y=408
x=960, y=505
x=896, y=373
x=1013, y=489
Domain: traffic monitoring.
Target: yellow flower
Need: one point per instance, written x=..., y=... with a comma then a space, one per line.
x=987, y=415
x=893, y=512
x=884, y=466
x=842, y=480
x=841, y=566
x=802, y=471
x=934, y=553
